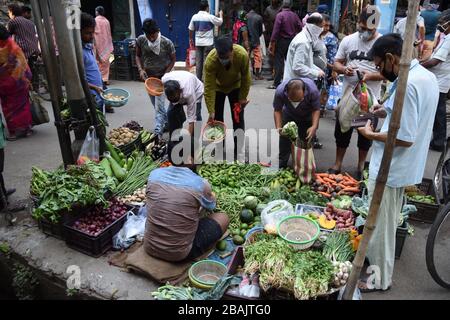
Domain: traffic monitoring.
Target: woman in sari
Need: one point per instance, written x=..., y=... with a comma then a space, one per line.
x=15, y=77
x=103, y=43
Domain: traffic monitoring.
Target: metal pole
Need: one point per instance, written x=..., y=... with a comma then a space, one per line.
x=132, y=19
x=389, y=146
x=53, y=78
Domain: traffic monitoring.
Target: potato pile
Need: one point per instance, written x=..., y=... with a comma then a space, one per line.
x=122, y=136
x=137, y=197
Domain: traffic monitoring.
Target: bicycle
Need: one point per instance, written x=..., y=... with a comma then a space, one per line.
x=438, y=239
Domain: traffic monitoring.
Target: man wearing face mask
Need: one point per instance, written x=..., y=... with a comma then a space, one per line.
x=410, y=152
x=352, y=56
x=439, y=64
x=296, y=100
x=155, y=56
x=227, y=74
x=300, y=57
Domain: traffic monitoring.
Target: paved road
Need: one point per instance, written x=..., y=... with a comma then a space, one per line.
x=411, y=279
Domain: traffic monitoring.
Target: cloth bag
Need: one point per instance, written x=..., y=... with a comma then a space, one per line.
x=304, y=161
x=349, y=107
x=90, y=149
x=38, y=112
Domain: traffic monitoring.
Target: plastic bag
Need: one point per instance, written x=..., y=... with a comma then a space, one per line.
x=191, y=57
x=90, y=149
x=335, y=92
x=38, y=112
x=274, y=213
x=132, y=230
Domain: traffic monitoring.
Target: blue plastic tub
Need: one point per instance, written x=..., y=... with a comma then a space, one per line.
x=116, y=92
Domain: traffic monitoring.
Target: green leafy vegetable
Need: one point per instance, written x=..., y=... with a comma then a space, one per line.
x=290, y=130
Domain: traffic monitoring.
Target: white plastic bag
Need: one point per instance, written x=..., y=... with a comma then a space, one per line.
x=133, y=228
x=274, y=213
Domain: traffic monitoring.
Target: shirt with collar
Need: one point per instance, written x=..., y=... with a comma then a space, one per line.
x=92, y=71
x=287, y=25
x=303, y=111
x=442, y=70
x=416, y=125
x=203, y=24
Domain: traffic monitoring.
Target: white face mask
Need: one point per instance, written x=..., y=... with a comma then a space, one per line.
x=155, y=46
x=314, y=31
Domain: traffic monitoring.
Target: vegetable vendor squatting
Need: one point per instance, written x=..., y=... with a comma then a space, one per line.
x=182, y=88
x=296, y=100
x=410, y=152
x=227, y=74
x=175, y=230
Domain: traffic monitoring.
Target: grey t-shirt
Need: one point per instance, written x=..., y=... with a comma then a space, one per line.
x=355, y=52
x=155, y=65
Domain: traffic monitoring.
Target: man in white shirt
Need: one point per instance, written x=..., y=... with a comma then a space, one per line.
x=410, y=151
x=352, y=57
x=182, y=88
x=202, y=25
x=299, y=61
x=400, y=28
x=439, y=64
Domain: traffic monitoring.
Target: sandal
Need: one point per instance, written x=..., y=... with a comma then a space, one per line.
x=271, y=87
x=362, y=286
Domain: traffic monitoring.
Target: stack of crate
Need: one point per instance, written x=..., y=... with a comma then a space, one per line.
x=121, y=68
x=134, y=68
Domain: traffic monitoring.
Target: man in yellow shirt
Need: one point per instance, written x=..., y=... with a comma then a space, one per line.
x=227, y=74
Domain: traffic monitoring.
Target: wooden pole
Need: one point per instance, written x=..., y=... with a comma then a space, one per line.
x=383, y=173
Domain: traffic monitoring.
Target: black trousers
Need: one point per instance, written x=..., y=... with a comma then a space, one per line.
x=281, y=51
x=440, y=123
x=343, y=139
x=233, y=97
x=285, y=143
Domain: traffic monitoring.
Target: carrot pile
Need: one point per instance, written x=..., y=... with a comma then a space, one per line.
x=334, y=185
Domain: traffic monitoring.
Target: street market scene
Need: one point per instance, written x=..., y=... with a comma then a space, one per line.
x=234, y=150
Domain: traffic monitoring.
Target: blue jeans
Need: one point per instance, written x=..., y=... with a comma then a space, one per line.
x=160, y=113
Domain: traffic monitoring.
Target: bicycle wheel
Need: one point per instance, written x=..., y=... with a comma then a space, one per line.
x=438, y=248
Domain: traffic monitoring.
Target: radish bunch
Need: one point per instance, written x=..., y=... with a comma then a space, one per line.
x=98, y=219
x=341, y=273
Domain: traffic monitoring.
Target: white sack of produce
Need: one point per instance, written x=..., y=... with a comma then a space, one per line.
x=274, y=213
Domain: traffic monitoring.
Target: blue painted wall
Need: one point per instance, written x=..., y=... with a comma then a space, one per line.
x=176, y=27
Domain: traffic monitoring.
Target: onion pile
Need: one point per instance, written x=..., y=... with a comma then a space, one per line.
x=98, y=219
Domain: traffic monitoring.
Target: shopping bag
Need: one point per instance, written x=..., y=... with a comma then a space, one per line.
x=334, y=94
x=38, y=113
x=304, y=161
x=349, y=107
x=90, y=151
x=190, y=57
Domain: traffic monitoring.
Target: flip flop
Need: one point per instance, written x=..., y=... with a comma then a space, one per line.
x=271, y=87
x=362, y=286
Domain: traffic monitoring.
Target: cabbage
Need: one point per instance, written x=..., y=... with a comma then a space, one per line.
x=290, y=130
x=342, y=202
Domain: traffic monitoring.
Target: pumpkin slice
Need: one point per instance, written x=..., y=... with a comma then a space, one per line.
x=326, y=224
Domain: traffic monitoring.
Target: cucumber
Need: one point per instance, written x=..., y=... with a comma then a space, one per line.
x=107, y=167
x=119, y=172
x=113, y=151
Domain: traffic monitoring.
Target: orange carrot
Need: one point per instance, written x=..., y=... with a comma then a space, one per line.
x=326, y=195
x=329, y=180
x=355, y=190
x=351, y=178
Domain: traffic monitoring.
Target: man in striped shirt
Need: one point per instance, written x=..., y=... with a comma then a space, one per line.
x=202, y=25
x=23, y=31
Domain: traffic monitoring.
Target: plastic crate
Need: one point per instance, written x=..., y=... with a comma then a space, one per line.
x=93, y=246
x=122, y=48
x=122, y=62
x=123, y=77
x=57, y=230
x=130, y=147
x=425, y=212
x=133, y=57
x=237, y=260
x=400, y=238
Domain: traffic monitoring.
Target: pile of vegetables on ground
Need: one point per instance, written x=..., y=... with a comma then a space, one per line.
x=331, y=186
x=413, y=193
x=122, y=136
x=96, y=220
x=60, y=190
x=214, y=132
